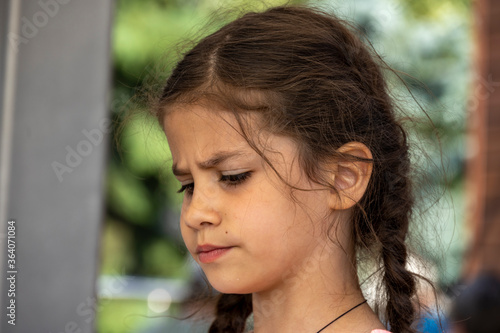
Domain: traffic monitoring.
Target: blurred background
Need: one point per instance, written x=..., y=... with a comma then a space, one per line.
x=143, y=271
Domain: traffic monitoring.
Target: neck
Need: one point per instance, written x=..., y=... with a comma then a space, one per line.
x=312, y=295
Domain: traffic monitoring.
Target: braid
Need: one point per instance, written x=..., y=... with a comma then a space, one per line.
x=399, y=285
x=383, y=215
x=232, y=311
x=389, y=208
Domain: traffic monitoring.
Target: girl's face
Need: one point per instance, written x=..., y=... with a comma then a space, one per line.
x=238, y=220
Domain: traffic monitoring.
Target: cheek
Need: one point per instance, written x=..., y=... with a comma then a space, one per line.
x=265, y=220
x=282, y=224
x=258, y=210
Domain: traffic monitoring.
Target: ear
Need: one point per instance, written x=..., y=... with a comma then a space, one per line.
x=350, y=178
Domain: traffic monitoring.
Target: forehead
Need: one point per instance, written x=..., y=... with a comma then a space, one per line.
x=197, y=133
x=199, y=129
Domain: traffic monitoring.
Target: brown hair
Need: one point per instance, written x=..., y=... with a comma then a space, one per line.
x=311, y=78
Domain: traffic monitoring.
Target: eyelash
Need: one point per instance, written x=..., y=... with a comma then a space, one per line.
x=229, y=180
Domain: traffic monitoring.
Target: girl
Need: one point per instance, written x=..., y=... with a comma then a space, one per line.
x=294, y=169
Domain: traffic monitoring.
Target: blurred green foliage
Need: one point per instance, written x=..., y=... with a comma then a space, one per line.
x=428, y=39
x=120, y=316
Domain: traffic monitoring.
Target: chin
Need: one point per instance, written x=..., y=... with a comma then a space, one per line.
x=231, y=288
x=227, y=285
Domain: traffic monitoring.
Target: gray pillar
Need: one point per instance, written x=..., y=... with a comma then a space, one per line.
x=53, y=127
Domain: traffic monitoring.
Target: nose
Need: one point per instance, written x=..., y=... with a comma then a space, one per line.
x=199, y=211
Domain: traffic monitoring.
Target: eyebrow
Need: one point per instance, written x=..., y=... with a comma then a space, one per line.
x=212, y=162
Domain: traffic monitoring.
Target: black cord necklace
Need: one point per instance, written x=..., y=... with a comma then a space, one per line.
x=354, y=307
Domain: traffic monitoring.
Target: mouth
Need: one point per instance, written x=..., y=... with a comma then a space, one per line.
x=210, y=253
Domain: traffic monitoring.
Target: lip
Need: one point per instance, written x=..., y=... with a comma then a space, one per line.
x=209, y=253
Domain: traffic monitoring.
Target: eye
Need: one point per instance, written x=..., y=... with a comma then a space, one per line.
x=233, y=180
x=228, y=180
x=188, y=188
